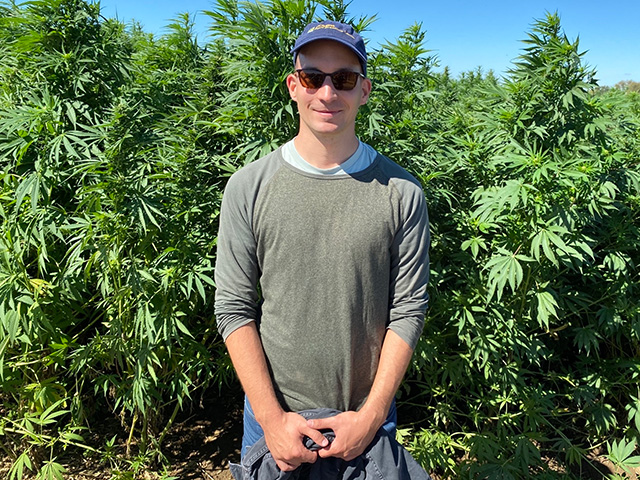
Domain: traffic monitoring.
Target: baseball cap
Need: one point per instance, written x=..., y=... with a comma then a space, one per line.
x=330, y=30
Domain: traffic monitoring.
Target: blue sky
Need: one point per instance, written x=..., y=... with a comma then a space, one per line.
x=463, y=34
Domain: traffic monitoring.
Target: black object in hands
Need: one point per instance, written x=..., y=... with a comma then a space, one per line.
x=313, y=446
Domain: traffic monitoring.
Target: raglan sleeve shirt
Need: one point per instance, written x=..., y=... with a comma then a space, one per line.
x=410, y=266
x=237, y=272
x=338, y=262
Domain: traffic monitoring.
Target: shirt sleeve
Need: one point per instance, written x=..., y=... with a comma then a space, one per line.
x=410, y=267
x=237, y=271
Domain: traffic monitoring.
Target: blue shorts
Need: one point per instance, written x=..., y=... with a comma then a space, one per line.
x=252, y=431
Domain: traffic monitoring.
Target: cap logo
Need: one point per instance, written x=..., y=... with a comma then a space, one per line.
x=332, y=27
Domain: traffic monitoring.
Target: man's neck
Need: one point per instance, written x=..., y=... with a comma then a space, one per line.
x=323, y=152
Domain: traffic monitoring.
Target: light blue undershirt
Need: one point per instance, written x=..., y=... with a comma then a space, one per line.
x=361, y=159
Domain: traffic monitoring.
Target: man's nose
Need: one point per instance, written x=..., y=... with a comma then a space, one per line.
x=327, y=89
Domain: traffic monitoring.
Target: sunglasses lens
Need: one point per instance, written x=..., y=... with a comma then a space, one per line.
x=341, y=80
x=311, y=79
x=344, y=80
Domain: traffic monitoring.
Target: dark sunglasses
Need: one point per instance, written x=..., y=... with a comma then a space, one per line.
x=342, y=79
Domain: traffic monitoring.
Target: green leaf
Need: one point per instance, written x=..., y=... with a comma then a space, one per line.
x=547, y=307
x=22, y=463
x=621, y=455
x=182, y=327
x=475, y=243
x=200, y=287
x=51, y=470
x=505, y=268
x=633, y=411
x=587, y=339
x=50, y=415
x=26, y=187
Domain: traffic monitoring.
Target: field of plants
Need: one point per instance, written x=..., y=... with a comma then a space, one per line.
x=115, y=147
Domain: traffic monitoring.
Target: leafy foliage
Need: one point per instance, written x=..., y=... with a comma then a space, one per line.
x=115, y=147
x=109, y=193
x=532, y=338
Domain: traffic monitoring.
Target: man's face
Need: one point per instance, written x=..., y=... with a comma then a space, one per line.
x=326, y=111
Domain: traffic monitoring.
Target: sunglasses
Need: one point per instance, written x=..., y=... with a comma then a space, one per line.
x=342, y=79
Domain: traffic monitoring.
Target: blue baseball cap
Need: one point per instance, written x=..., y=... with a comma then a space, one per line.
x=330, y=30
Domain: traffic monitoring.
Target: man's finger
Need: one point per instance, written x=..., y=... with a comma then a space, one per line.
x=308, y=456
x=285, y=467
x=322, y=423
x=316, y=436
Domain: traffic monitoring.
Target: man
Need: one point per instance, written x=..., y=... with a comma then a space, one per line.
x=322, y=266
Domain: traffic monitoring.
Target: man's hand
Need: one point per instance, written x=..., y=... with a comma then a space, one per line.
x=354, y=432
x=284, y=433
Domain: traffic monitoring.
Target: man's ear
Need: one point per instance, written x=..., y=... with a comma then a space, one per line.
x=366, y=90
x=292, y=85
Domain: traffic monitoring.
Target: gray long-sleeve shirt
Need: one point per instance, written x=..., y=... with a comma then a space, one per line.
x=324, y=265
